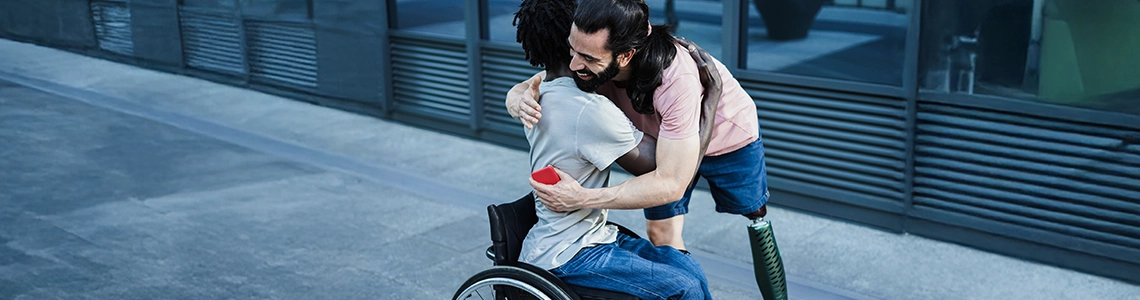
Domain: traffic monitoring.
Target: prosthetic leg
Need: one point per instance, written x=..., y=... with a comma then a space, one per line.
x=766, y=258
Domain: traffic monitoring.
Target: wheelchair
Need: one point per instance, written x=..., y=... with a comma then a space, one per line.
x=511, y=279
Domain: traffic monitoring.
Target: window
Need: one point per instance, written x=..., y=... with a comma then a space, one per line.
x=856, y=40
x=276, y=9
x=696, y=20
x=443, y=17
x=1067, y=52
x=351, y=13
x=227, y=4
x=501, y=17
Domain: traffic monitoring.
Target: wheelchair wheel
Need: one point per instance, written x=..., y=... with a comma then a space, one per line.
x=504, y=282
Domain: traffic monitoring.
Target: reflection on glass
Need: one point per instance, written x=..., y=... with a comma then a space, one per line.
x=856, y=40
x=696, y=20
x=1069, y=52
x=210, y=3
x=501, y=16
x=443, y=17
x=276, y=8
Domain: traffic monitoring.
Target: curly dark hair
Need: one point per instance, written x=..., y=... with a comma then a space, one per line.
x=543, y=27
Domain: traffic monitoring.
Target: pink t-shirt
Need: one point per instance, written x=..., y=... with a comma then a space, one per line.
x=678, y=106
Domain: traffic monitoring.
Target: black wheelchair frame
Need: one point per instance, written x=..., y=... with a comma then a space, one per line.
x=511, y=279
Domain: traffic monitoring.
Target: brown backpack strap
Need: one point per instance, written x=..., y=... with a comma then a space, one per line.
x=711, y=81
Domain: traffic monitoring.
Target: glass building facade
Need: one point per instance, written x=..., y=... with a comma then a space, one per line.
x=1007, y=125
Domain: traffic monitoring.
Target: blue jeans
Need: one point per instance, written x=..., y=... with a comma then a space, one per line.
x=737, y=180
x=634, y=266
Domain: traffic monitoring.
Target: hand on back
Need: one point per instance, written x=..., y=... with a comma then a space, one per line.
x=522, y=101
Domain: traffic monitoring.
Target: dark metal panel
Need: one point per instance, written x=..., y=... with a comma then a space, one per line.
x=282, y=54
x=910, y=88
x=364, y=17
x=154, y=27
x=503, y=67
x=155, y=3
x=732, y=18
x=476, y=18
x=1034, y=108
x=430, y=77
x=387, y=97
x=838, y=143
x=1018, y=227
x=879, y=90
x=1105, y=143
x=867, y=211
x=1076, y=181
x=350, y=64
x=213, y=42
x=65, y=23
x=112, y=22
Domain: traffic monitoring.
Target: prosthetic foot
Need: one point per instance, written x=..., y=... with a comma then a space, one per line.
x=766, y=260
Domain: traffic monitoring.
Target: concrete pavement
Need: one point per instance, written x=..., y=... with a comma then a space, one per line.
x=125, y=183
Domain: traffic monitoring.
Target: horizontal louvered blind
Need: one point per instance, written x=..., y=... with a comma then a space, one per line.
x=1071, y=180
x=282, y=54
x=212, y=42
x=429, y=77
x=846, y=142
x=112, y=22
x=502, y=69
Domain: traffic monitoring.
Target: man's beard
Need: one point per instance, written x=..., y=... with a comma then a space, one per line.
x=592, y=85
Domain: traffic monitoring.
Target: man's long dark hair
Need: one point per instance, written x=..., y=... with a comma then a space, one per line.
x=627, y=22
x=543, y=27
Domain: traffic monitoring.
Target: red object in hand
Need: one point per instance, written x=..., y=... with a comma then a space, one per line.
x=545, y=175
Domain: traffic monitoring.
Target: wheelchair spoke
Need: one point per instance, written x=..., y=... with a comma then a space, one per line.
x=510, y=283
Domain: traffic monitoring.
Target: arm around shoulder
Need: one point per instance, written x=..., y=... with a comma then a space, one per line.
x=675, y=168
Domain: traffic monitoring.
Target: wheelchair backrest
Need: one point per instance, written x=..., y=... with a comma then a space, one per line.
x=510, y=223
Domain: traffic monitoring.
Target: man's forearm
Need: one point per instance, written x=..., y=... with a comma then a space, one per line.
x=644, y=191
x=676, y=166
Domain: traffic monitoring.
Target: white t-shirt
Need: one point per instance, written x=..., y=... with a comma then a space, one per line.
x=581, y=134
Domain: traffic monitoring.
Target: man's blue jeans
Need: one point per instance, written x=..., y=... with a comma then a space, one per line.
x=634, y=266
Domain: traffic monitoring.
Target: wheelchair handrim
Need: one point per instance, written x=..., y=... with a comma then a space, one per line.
x=492, y=282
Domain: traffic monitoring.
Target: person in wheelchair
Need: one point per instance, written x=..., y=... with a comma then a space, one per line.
x=582, y=133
